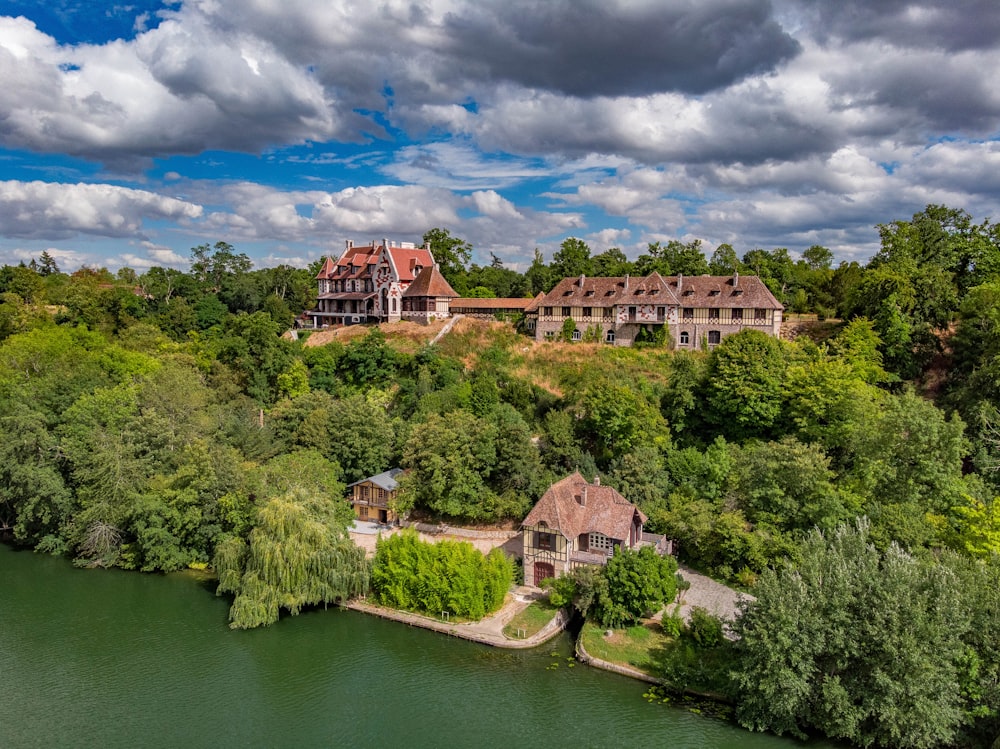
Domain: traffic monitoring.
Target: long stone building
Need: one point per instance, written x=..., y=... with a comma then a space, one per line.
x=696, y=310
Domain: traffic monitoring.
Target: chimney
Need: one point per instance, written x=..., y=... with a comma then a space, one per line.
x=385, y=242
x=350, y=243
x=597, y=480
x=582, y=279
x=626, y=282
x=583, y=497
x=680, y=281
x=736, y=279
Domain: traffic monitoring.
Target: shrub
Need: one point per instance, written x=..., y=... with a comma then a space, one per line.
x=704, y=628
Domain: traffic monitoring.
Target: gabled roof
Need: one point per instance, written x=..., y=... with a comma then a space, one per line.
x=533, y=307
x=385, y=480
x=406, y=260
x=327, y=270
x=604, y=510
x=430, y=282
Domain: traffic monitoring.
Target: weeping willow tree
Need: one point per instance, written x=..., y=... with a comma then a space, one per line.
x=297, y=555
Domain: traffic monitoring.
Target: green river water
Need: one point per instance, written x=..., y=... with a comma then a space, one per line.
x=94, y=658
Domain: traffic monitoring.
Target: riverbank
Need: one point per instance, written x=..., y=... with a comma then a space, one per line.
x=487, y=631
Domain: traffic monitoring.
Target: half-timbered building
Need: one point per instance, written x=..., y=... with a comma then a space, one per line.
x=697, y=311
x=578, y=523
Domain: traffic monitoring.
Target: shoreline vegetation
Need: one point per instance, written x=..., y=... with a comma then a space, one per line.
x=845, y=473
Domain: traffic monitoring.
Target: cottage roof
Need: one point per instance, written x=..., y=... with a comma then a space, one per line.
x=602, y=510
x=430, y=282
x=385, y=480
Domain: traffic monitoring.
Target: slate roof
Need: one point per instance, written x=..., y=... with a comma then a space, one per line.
x=683, y=291
x=385, y=480
x=606, y=511
x=430, y=282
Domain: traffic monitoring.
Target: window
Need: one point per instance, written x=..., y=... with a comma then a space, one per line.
x=393, y=304
x=598, y=542
x=713, y=315
x=713, y=337
x=544, y=540
x=759, y=315
x=609, y=313
x=661, y=313
x=363, y=512
x=737, y=315
x=577, y=335
x=586, y=312
x=609, y=337
x=685, y=338
x=589, y=292
x=714, y=292
x=688, y=313
x=565, y=311
x=547, y=311
x=549, y=335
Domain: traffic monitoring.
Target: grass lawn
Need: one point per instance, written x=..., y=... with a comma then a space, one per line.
x=633, y=646
x=677, y=660
x=531, y=620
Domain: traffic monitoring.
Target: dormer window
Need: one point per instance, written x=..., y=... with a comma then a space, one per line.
x=714, y=292
x=653, y=292
x=589, y=292
x=609, y=292
x=737, y=292
x=569, y=292
x=688, y=292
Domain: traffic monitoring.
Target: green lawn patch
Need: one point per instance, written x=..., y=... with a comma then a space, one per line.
x=531, y=620
x=679, y=661
x=634, y=646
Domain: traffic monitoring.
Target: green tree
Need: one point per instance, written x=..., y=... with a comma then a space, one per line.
x=744, y=384
x=298, y=555
x=450, y=458
x=861, y=644
x=638, y=583
x=724, y=261
x=451, y=254
x=571, y=259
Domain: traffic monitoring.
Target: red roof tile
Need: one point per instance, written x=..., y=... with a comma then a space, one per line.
x=604, y=509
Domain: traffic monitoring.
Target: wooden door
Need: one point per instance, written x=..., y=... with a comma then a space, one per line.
x=542, y=571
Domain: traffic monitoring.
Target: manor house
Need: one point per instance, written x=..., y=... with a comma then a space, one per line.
x=695, y=310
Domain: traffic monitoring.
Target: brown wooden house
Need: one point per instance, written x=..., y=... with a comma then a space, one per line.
x=371, y=497
x=576, y=523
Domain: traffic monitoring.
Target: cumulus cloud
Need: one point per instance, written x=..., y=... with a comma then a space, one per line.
x=44, y=210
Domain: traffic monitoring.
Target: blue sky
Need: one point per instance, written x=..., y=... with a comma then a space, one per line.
x=130, y=133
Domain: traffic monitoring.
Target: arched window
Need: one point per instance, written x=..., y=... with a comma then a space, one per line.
x=685, y=338
x=394, y=304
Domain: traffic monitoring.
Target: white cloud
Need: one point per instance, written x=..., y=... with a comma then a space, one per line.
x=51, y=210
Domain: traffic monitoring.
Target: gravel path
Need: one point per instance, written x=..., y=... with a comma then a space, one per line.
x=710, y=595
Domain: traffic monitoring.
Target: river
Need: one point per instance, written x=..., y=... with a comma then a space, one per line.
x=105, y=658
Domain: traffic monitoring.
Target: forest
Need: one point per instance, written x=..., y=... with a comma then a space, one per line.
x=159, y=420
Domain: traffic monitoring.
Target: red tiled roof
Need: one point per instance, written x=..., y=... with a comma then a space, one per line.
x=605, y=510
x=430, y=282
x=407, y=260
x=490, y=303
